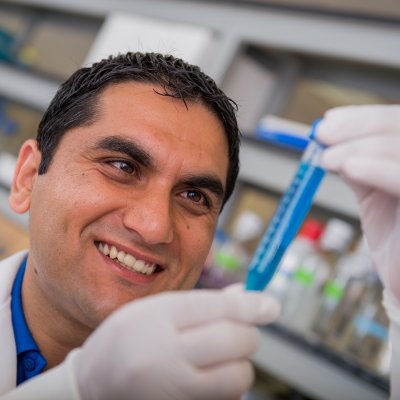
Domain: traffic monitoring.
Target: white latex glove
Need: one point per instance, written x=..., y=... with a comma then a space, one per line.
x=183, y=345
x=364, y=147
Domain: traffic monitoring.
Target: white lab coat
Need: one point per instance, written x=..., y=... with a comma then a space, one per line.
x=8, y=367
x=59, y=382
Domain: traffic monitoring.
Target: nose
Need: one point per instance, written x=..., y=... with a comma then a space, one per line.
x=150, y=216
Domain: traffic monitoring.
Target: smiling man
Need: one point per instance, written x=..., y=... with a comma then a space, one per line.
x=133, y=162
x=122, y=201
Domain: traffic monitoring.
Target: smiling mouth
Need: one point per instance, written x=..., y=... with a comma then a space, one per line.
x=127, y=260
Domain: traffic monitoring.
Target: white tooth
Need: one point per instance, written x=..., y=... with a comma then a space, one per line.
x=113, y=252
x=139, y=265
x=106, y=250
x=151, y=269
x=145, y=269
x=129, y=260
x=121, y=256
x=101, y=247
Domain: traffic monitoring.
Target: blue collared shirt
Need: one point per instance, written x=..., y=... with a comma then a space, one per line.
x=30, y=361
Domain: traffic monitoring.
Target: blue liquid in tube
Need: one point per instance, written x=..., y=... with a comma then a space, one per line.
x=289, y=216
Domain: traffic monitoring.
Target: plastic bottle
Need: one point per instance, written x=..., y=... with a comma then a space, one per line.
x=369, y=333
x=305, y=243
x=336, y=240
x=232, y=257
x=354, y=276
x=384, y=359
x=303, y=302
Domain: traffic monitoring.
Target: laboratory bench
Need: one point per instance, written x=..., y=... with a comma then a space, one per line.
x=301, y=60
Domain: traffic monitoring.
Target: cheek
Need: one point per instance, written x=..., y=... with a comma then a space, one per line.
x=73, y=199
x=61, y=210
x=196, y=245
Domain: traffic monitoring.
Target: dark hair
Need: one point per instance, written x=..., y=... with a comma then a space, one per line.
x=75, y=103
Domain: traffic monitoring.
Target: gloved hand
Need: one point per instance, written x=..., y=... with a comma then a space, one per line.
x=364, y=147
x=183, y=345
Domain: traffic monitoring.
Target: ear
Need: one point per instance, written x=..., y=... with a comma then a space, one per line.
x=25, y=175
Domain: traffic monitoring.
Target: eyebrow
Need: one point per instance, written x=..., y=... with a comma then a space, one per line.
x=126, y=146
x=209, y=182
x=135, y=151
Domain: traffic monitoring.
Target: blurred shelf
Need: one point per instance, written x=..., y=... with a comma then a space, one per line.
x=268, y=166
x=352, y=39
x=13, y=237
x=308, y=367
x=316, y=370
x=313, y=368
x=374, y=43
x=20, y=220
x=26, y=88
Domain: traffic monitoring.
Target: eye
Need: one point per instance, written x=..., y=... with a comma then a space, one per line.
x=197, y=197
x=124, y=166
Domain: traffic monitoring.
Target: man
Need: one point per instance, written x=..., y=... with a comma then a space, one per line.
x=134, y=160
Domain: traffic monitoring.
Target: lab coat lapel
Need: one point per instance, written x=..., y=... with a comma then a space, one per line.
x=8, y=365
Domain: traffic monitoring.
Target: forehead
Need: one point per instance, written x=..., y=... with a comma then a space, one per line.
x=166, y=126
x=148, y=99
x=141, y=108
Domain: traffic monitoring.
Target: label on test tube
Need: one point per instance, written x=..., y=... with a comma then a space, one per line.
x=289, y=216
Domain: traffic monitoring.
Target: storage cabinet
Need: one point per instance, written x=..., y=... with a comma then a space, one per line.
x=273, y=61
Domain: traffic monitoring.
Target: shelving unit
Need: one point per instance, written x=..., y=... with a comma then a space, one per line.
x=314, y=370
x=364, y=43
x=266, y=166
x=29, y=89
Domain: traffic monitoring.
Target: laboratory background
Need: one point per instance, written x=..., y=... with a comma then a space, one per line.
x=285, y=63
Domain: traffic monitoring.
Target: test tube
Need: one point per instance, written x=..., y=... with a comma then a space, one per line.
x=289, y=216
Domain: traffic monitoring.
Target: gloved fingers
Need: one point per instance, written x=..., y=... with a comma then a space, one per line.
x=234, y=288
x=376, y=146
x=202, y=306
x=226, y=381
x=343, y=123
x=375, y=173
x=360, y=190
x=269, y=310
x=219, y=342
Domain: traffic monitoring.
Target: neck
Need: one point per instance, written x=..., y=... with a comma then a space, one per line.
x=54, y=331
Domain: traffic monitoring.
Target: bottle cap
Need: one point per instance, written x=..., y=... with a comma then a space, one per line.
x=314, y=126
x=337, y=235
x=311, y=229
x=247, y=226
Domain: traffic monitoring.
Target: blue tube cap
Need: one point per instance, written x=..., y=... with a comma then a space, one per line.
x=314, y=128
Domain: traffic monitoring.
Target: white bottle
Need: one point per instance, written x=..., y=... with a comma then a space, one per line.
x=305, y=243
x=232, y=257
x=355, y=274
x=303, y=302
x=370, y=327
x=385, y=358
x=334, y=247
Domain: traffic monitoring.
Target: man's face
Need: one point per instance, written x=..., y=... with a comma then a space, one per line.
x=146, y=181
